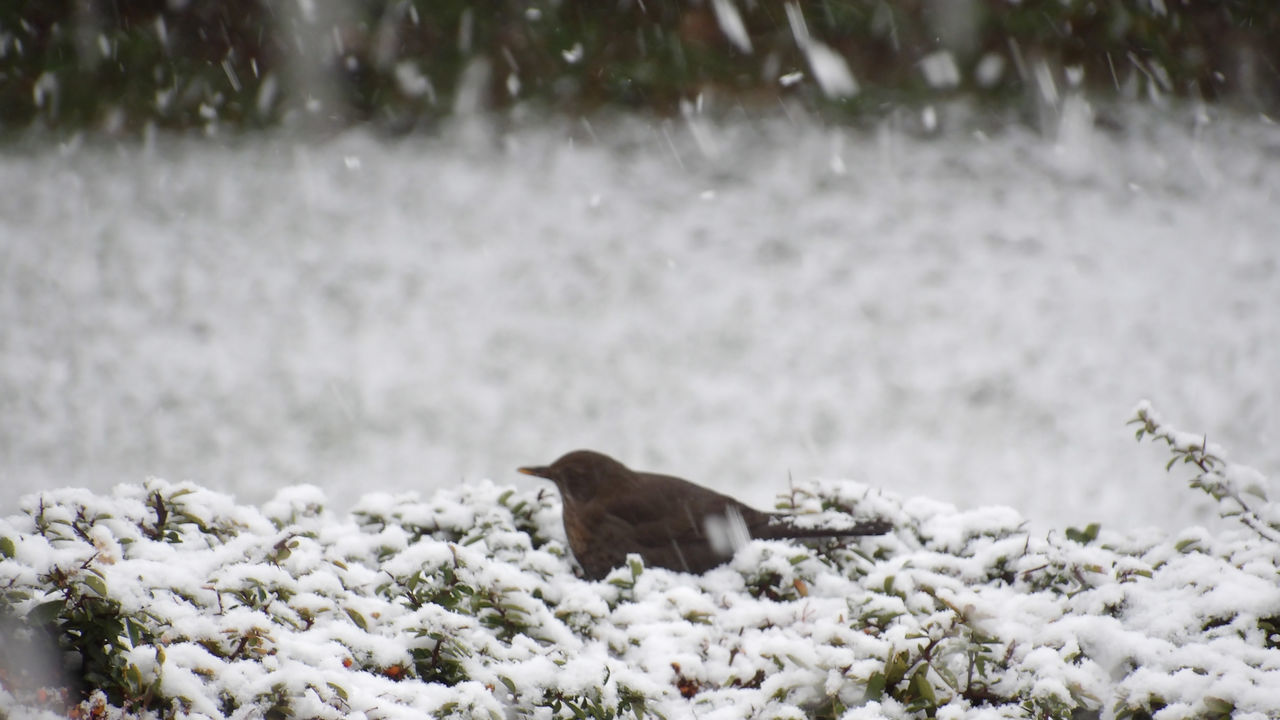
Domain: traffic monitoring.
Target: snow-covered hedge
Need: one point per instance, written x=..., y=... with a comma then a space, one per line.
x=170, y=600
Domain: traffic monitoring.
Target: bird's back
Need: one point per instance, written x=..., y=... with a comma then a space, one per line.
x=661, y=518
x=611, y=511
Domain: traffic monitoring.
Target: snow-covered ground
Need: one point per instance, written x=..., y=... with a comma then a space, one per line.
x=970, y=318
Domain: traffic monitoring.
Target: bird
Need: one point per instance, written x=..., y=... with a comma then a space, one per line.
x=610, y=510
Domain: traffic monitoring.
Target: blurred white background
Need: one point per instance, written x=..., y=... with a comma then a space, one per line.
x=970, y=317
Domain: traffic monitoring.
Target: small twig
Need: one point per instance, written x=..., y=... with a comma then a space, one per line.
x=1210, y=479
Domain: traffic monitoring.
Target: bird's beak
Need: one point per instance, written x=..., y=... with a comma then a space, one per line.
x=538, y=471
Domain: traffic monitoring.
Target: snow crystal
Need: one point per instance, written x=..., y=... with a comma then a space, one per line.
x=829, y=68
x=731, y=24
x=410, y=79
x=940, y=70
x=45, y=90
x=574, y=54
x=989, y=70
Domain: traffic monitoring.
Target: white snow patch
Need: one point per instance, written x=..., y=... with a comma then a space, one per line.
x=940, y=70
x=828, y=67
x=989, y=70
x=730, y=21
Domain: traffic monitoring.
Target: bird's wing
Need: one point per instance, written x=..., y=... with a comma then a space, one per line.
x=655, y=509
x=667, y=533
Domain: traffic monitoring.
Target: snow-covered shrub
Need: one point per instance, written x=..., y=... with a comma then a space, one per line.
x=169, y=600
x=1225, y=482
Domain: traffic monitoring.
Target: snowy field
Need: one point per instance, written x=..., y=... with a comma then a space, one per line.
x=970, y=318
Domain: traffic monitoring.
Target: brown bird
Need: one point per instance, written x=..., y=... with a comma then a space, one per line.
x=611, y=510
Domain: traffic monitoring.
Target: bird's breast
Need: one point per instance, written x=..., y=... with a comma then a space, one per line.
x=578, y=528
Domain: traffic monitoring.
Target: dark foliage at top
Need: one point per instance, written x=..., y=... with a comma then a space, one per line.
x=119, y=66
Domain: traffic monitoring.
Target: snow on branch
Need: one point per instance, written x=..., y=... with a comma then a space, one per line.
x=1225, y=482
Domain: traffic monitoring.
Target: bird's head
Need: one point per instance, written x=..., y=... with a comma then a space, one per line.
x=579, y=475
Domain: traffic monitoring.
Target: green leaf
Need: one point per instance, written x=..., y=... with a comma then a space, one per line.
x=358, y=619
x=1218, y=706
x=1085, y=536
x=98, y=584
x=1183, y=545
x=111, y=628
x=875, y=686
x=133, y=631
x=920, y=684
x=895, y=668
x=947, y=676
x=7, y=548
x=134, y=676
x=511, y=685
x=341, y=692
x=45, y=613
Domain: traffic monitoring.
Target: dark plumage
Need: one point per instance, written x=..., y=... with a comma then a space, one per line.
x=611, y=510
